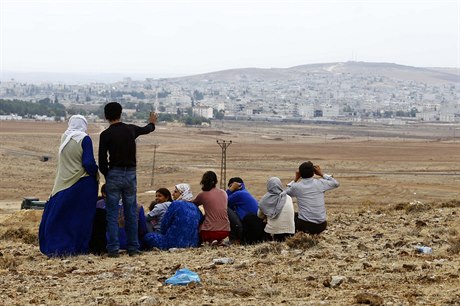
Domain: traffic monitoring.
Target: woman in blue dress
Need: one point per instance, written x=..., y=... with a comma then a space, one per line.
x=179, y=227
x=66, y=225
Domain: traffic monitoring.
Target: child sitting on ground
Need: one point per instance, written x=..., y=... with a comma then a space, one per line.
x=162, y=201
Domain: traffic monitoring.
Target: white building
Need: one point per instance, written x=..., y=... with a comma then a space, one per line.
x=330, y=110
x=446, y=117
x=10, y=117
x=427, y=116
x=306, y=111
x=202, y=111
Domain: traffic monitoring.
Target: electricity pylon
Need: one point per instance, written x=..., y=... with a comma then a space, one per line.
x=223, y=162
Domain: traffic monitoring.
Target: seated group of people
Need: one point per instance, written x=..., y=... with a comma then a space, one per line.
x=179, y=220
x=72, y=223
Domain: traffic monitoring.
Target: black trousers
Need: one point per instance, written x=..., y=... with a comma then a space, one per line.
x=309, y=227
x=236, y=227
x=253, y=230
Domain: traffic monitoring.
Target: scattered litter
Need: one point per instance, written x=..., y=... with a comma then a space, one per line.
x=183, y=277
x=424, y=250
x=337, y=280
x=223, y=261
x=334, y=281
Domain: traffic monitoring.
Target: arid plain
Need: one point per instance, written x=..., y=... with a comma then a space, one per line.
x=399, y=189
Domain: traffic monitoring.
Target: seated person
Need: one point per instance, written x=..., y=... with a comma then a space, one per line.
x=216, y=226
x=182, y=192
x=179, y=227
x=162, y=201
x=309, y=192
x=245, y=226
x=277, y=208
x=239, y=199
x=98, y=242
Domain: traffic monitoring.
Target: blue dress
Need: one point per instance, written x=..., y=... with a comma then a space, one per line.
x=179, y=227
x=67, y=221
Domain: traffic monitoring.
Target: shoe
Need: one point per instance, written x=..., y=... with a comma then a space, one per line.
x=113, y=254
x=134, y=253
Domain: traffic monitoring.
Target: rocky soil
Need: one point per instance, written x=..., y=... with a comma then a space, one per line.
x=367, y=256
x=398, y=191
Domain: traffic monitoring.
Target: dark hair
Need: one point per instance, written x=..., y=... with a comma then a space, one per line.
x=209, y=181
x=166, y=193
x=112, y=111
x=235, y=179
x=306, y=169
x=152, y=205
x=102, y=189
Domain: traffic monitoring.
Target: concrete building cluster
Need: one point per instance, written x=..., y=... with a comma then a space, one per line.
x=314, y=96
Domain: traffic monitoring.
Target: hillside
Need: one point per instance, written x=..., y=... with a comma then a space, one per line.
x=389, y=70
x=399, y=190
x=360, y=259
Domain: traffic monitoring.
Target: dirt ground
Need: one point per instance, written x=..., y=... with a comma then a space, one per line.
x=399, y=189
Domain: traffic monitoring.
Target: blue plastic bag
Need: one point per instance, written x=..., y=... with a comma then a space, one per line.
x=183, y=277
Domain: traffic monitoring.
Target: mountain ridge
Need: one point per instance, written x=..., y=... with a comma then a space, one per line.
x=396, y=71
x=431, y=75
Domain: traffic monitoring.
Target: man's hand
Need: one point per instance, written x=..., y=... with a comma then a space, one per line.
x=318, y=170
x=297, y=176
x=234, y=186
x=153, y=117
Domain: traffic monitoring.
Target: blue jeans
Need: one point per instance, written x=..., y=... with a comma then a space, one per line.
x=121, y=184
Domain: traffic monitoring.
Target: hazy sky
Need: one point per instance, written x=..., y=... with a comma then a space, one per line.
x=189, y=37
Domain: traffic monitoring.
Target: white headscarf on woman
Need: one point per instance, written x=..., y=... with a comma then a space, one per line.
x=76, y=130
x=273, y=201
x=185, y=192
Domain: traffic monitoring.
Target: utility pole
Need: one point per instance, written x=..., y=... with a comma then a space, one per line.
x=223, y=162
x=155, y=146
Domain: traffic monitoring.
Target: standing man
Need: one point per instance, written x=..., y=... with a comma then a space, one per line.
x=118, y=141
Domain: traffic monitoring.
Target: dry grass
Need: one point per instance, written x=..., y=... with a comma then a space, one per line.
x=370, y=241
x=20, y=234
x=302, y=241
x=268, y=248
x=417, y=206
x=8, y=261
x=451, y=203
x=454, y=247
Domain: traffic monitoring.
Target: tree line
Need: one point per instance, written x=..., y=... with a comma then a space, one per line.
x=44, y=107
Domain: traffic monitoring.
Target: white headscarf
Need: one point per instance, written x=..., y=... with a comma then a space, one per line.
x=273, y=201
x=76, y=130
x=185, y=192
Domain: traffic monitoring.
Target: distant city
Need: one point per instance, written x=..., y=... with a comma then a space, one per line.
x=336, y=92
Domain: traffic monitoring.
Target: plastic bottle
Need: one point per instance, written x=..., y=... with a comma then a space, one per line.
x=424, y=250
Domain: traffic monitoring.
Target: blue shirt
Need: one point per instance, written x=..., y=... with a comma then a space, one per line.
x=242, y=202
